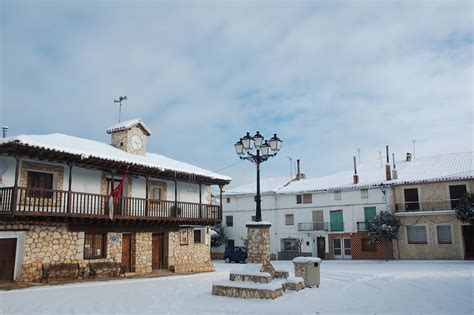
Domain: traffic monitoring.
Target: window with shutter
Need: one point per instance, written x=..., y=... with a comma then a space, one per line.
x=416, y=235
x=444, y=234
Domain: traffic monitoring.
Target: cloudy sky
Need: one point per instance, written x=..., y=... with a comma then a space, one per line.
x=328, y=77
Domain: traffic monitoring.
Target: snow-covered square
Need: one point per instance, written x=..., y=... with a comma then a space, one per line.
x=367, y=287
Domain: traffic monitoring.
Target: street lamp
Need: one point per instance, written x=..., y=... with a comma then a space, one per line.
x=264, y=149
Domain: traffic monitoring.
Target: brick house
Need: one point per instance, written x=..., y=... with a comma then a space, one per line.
x=55, y=204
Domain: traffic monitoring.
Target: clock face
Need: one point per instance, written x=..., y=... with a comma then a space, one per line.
x=136, y=142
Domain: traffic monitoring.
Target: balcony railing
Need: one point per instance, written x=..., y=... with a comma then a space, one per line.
x=27, y=201
x=426, y=205
x=362, y=226
x=313, y=226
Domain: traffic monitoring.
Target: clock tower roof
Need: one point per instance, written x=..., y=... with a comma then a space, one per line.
x=125, y=125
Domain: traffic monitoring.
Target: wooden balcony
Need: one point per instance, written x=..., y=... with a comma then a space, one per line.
x=27, y=202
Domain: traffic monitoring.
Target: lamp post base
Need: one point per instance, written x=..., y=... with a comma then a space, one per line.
x=258, y=245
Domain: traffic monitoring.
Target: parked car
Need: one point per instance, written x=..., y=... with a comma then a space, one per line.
x=235, y=254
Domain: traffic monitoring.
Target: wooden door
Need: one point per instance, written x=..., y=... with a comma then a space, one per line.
x=321, y=247
x=7, y=258
x=158, y=251
x=411, y=199
x=111, y=185
x=127, y=252
x=468, y=235
x=455, y=193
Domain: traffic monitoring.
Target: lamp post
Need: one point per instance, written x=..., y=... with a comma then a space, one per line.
x=257, y=150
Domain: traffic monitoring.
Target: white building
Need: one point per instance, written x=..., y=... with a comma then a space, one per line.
x=327, y=216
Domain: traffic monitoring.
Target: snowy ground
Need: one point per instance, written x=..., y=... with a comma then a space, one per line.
x=430, y=287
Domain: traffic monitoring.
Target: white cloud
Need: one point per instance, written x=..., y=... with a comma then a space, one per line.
x=327, y=77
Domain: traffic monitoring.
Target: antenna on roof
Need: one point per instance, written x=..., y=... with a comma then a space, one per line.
x=291, y=166
x=414, y=141
x=380, y=158
x=358, y=154
x=121, y=98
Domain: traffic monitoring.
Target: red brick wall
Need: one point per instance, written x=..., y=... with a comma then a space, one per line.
x=379, y=252
x=357, y=252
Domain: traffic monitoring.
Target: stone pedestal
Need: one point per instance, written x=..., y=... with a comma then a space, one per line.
x=258, y=245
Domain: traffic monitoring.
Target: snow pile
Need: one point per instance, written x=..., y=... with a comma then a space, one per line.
x=295, y=280
x=303, y=260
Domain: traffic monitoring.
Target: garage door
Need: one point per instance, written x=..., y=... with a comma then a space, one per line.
x=7, y=258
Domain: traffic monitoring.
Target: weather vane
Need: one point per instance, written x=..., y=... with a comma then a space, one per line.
x=121, y=98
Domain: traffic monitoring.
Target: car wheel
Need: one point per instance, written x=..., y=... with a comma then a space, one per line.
x=227, y=260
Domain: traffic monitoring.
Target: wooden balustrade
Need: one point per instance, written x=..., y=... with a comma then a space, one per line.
x=64, y=203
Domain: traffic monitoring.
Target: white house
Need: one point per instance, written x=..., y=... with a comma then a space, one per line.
x=327, y=216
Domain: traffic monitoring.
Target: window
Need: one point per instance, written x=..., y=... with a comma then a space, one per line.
x=289, y=219
x=289, y=244
x=417, y=235
x=366, y=246
x=40, y=181
x=199, y=236
x=229, y=220
x=305, y=198
x=337, y=195
x=364, y=193
x=444, y=234
x=455, y=193
x=95, y=245
x=337, y=221
x=227, y=200
x=411, y=199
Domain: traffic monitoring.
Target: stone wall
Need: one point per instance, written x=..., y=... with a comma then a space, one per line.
x=431, y=192
x=190, y=257
x=431, y=250
x=143, y=252
x=52, y=243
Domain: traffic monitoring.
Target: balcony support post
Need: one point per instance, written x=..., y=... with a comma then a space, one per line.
x=200, y=200
x=69, y=190
x=175, y=198
x=146, y=195
x=220, y=202
x=15, y=186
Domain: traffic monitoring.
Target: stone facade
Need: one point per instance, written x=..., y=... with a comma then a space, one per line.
x=190, y=257
x=121, y=139
x=431, y=250
x=431, y=191
x=143, y=252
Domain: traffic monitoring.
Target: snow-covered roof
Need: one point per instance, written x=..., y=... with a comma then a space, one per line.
x=93, y=149
x=452, y=166
x=268, y=185
x=127, y=125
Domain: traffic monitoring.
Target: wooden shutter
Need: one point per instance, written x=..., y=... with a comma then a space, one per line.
x=369, y=213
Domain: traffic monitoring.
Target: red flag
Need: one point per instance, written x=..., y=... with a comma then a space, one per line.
x=116, y=193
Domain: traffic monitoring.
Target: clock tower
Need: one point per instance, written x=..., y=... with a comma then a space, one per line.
x=130, y=136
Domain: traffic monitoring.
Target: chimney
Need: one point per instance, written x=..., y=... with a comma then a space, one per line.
x=408, y=157
x=394, y=172
x=5, y=131
x=388, y=173
x=355, y=177
x=298, y=171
